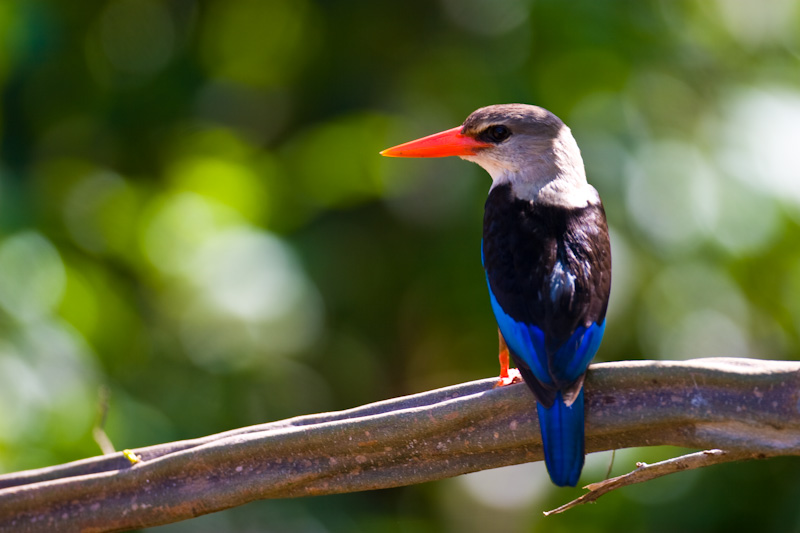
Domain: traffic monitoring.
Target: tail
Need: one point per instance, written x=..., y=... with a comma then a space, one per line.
x=562, y=437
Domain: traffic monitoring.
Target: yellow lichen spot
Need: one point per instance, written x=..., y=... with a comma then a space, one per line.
x=132, y=457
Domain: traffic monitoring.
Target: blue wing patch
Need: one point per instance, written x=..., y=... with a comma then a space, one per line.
x=572, y=359
x=527, y=341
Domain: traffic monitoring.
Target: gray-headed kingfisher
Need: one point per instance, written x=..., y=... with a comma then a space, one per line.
x=547, y=258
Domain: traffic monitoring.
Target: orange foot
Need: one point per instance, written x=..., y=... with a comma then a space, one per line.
x=512, y=376
x=507, y=375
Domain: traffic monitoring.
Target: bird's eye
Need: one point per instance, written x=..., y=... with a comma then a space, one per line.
x=498, y=133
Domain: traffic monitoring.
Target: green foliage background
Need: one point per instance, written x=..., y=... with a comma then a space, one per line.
x=194, y=214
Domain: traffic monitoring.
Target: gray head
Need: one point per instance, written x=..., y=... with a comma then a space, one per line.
x=537, y=123
x=523, y=145
x=533, y=150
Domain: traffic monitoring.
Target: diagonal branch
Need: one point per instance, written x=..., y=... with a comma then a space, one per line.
x=741, y=405
x=645, y=472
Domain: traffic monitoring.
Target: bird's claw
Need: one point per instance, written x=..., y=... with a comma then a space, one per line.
x=510, y=377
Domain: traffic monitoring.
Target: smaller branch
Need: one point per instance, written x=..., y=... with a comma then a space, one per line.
x=645, y=472
x=98, y=431
x=611, y=463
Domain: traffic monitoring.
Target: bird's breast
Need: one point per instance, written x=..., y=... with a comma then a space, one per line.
x=546, y=265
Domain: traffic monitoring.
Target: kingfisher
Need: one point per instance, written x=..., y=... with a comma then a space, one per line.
x=547, y=258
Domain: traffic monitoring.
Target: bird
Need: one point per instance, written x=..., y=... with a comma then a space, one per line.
x=546, y=254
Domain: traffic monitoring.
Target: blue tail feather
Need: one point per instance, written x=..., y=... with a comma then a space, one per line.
x=562, y=436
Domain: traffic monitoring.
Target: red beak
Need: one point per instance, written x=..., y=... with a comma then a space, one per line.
x=442, y=144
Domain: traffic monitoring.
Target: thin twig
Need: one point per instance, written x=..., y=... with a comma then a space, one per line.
x=98, y=431
x=611, y=464
x=645, y=472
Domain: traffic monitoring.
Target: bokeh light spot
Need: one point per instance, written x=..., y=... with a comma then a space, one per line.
x=748, y=221
x=22, y=396
x=671, y=194
x=32, y=276
x=176, y=224
x=100, y=213
x=705, y=333
x=225, y=181
x=758, y=140
x=487, y=18
x=677, y=292
x=753, y=26
x=248, y=274
x=337, y=163
x=257, y=43
x=509, y=487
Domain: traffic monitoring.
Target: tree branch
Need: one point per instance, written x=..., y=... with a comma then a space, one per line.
x=645, y=472
x=741, y=405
